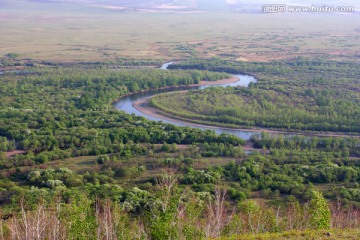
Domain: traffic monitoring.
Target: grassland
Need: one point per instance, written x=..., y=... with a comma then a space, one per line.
x=74, y=32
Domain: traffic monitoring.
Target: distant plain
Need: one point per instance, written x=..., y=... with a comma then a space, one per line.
x=63, y=32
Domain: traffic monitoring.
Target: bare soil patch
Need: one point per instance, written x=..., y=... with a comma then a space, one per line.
x=14, y=152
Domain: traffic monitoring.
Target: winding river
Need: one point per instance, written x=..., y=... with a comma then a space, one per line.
x=126, y=104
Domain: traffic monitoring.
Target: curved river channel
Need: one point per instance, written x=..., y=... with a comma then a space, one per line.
x=126, y=104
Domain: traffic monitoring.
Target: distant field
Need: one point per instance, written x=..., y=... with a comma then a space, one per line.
x=78, y=32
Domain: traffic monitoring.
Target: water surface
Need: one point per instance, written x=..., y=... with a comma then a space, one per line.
x=126, y=104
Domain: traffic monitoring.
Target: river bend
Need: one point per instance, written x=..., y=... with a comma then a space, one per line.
x=126, y=104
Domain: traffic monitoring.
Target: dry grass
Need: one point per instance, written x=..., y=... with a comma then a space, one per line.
x=65, y=32
x=75, y=163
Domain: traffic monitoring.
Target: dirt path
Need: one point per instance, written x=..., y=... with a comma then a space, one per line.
x=14, y=152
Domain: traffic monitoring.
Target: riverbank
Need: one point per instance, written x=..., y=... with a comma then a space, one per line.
x=138, y=104
x=219, y=82
x=144, y=107
x=201, y=83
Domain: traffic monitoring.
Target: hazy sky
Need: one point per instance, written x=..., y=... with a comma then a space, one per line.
x=245, y=2
x=252, y=6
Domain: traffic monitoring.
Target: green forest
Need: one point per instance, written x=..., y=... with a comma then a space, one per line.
x=74, y=167
x=58, y=112
x=303, y=94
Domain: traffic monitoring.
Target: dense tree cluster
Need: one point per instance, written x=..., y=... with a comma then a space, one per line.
x=54, y=113
x=301, y=94
x=341, y=146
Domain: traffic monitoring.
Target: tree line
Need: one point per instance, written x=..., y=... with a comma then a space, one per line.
x=57, y=112
x=299, y=94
